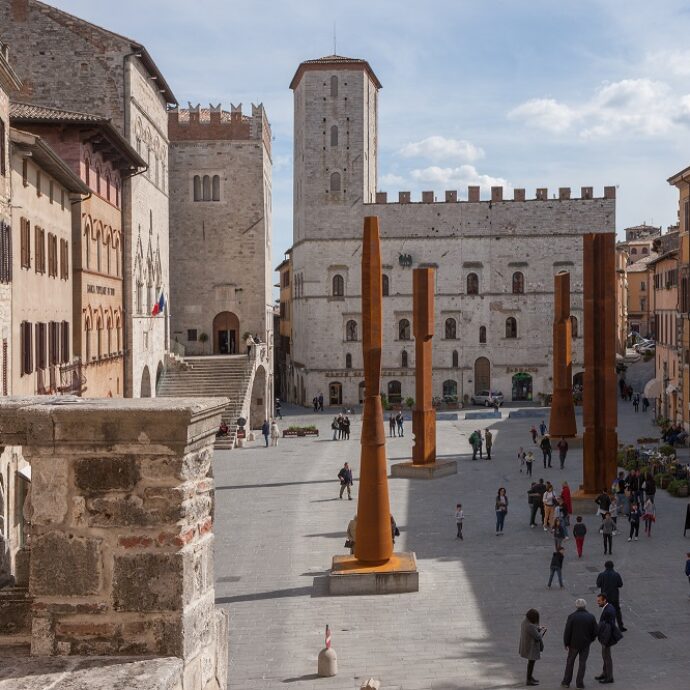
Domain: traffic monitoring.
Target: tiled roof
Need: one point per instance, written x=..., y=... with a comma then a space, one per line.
x=642, y=264
x=39, y=113
x=205, y=115
x=335, y=61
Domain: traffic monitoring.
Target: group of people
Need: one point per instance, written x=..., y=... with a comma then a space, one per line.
x=580, y=631
x=674, y=435
x=317, y=402
x=479, y=442
x=543, y=440
x=341, y=427
x=396, y=423
x=270, y=430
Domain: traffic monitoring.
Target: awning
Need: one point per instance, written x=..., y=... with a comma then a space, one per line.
x=652, y=389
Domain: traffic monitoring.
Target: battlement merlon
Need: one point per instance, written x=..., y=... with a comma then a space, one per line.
x=195, y=123
x=496, y=195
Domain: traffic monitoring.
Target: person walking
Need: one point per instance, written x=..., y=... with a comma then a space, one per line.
x=521, y=455
x=636, y=402
x=501, y=510
x=649, y=516
x=346, y=428
x=579, y=532
x=634, y=519
x=278, y=409
x=391, y=425
x=351, y=534
x=531, y=643
x=480, y=443
x=249, y=343
x=608, y=635
x=533, y=432
x=459, y=519
x=320, y=402
x=613, y=512
x=474, y=443
x=335, y=425
x=603, y=500
x=489, y=441
x=607, y=530
x=650, y=486
x=400, y=420
x=562, y=446
x=275, y=433
x=315, y=403
x=645, y=404
x=558, y=533
x=567, y=497
x=557, y=566
x=580, y=631
x=610, y=583
x=266, y=430
x=533, y=501
x=545, y=446
x=529, y=461
x=542, y=428
x=549, y=501
x=345, y=476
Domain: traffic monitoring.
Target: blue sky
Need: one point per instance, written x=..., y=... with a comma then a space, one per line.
x=528, y=93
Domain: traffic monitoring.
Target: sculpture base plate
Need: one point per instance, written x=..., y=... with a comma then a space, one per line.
x=349, y=576
x=583, y=504
x=408, y=470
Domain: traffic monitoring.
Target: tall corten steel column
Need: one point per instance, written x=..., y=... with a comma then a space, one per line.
x=423, y=415
x=562, y=421
x=374, y=542
x=600, y=440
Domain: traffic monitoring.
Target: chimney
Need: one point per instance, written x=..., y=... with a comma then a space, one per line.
x=473, y=193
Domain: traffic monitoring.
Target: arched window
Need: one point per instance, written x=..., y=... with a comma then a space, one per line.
x=456, y=362
x=118, y=333
x=198, y=195
x=87, y=338
x=574, y=326
x=334, y=135
x=518, y=283
x=216, y=188
x=107, y=186
x=403, y=329
x=98, y=179
x=403, y=359
x=87, y=172
x=335, y=182
x=99, y=341
x=334, y=85
x=98, y=251
x=109, y=351
x=338, y=285
x=451, y=329
x=351, y=330
x=207, y=188
x=450, y=391
x=117, y=194
x=348, y=361
x=394, y=392
x=385, y=285
x=645, y=250
x=633, y=250
x=511, y=327
x=482, y=334
x=472, y=284
x=87, y=245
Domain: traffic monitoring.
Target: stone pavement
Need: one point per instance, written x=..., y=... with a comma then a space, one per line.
x=279, y=521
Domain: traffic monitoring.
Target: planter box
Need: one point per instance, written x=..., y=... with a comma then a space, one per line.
x=301, y=432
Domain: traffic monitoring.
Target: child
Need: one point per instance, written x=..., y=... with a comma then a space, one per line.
x=558, y=533
x=613, y=512
x=521, y=458
x=634, y=518
x=607, y=529
x=529, y=459
x=459, y=517
x=649, y=516
x=579, y=532
x=557, y=566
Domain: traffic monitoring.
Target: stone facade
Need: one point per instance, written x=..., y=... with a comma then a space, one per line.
x=220, y=198
x=118, y=80
x=505, y=251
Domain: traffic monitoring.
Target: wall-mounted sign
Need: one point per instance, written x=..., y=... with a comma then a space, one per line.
x=405, y=260
x=100, y=290
x=521, y=370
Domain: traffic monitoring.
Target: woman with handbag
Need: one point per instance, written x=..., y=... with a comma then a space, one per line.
x=649, y=516
x=531, y=643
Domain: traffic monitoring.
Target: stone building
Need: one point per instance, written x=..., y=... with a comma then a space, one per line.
x=640, y=316
x=283, y=342
x=220, y=198
x=495, y=259
x=102, y=158
x=68, y=63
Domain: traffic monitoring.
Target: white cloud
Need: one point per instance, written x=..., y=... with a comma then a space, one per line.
x=675, y=62
x=456, y=177
x=640, y=107
x=391, y=180
x=437, y=148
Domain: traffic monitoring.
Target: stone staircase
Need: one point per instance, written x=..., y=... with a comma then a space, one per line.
x=219, y=376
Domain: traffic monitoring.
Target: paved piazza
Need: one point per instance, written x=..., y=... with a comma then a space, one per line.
x=279, y=521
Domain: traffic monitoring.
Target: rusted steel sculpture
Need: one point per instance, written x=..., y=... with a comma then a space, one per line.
x=562, y=421
x=423, y=415
x=600, y=441
x=374, y=542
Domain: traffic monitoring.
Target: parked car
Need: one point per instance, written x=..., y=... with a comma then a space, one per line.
x=487, y=398
x=644, y=346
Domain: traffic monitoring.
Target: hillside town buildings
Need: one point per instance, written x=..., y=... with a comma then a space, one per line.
x=494, y=267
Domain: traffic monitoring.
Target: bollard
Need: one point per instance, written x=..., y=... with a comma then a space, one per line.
x=328, y=659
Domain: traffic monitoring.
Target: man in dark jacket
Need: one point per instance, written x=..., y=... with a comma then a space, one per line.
x=535, y=497
x=345, y=476
x=580, y=631
x=545, y=446
x=608, y=635
x=266, y=431
x=610, y=582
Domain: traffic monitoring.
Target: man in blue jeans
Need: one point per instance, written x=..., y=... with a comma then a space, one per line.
x=557, y=566
x=266, y=431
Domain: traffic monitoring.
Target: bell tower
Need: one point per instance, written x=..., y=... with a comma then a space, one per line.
x=335, y=121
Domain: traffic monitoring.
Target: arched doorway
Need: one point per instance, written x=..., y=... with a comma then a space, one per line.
x=522, y=386
x=145, y=391
x=578, y=379
x=226, y=334
x=259, y=409
x=450, y=391
x=394, y=392
x=335, y=393
x=482, y=375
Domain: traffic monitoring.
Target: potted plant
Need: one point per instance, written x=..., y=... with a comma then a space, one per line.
x=409, y=402
x=203, y=339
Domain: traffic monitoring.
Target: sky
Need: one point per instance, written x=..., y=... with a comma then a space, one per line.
x=523, y=93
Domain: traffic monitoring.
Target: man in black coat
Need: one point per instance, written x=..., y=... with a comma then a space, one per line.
x=610, y=582
x=535, y=498
x=346, y=481
x=608, y=634
x=580, y=631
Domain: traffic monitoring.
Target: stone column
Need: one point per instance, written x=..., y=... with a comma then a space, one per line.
x=122, y=529
x=423, y=415
x=600, y=441
x=562, y=420
x=374, y=542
